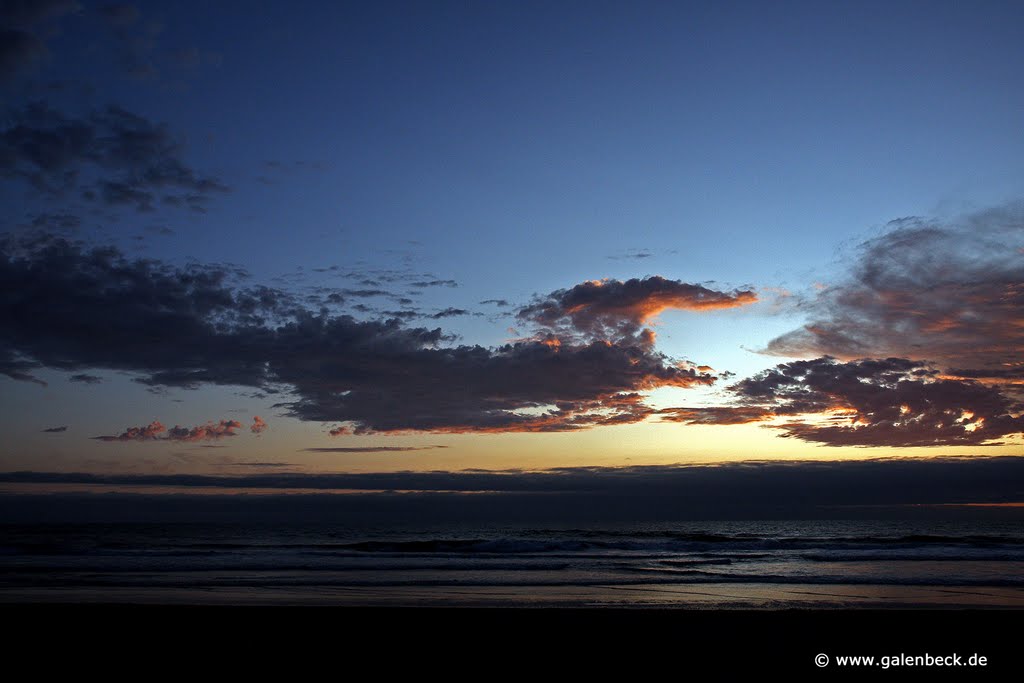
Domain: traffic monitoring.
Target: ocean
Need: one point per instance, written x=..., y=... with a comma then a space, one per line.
x=705, y=565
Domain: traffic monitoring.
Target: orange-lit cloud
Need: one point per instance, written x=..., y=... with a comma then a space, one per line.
x=370, y=449
x=868, y=402
x=258, y=425
x=716, y=415
x=155, y=431
x=150, y=432
x=611, y=309
x=206, y=432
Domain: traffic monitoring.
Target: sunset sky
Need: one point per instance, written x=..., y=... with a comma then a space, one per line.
x=256, y=239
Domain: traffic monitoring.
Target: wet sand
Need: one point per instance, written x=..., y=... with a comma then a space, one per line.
x=712, y=596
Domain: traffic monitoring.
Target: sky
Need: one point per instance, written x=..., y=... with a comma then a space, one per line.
x=252, y=239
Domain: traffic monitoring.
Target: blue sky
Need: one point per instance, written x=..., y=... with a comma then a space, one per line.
x=518, y=149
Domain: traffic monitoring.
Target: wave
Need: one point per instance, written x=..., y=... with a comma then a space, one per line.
x=565, y=544
x=673, y=542
x=8, y=572
x=926, y=556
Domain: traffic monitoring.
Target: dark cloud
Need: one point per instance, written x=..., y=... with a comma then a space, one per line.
x=611, y=309
x=868, y=402
x=84, y=378
x=21, y=46
x=496, y=302
x=112, y=156
x=449, y=313
x=403, y=381
x=636, y=254
x=434, y=283
x=71, y=308
x=404, y=315
x=262, y=464
x=75, y=309
x=55, y=430
x=371, y=449
x=155, y=431
x=17, y=367
x=949, y=292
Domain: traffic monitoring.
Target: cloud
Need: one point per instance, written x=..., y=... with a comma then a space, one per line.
x=449, y=312
x=111, y=156
x=371, y=449
x=715, y=415
x=340, y=431
x=636, y=254
x=150, y=432
x=208, y=432
x=434, y=283
x=496, y=302
x=258, y=425
x=68, y=307
x=74, y=309
x=155, y=431
x=610, y=309
x=867, y=402
x=16, y=367
x=405, y=314
x=83, y=378
x=55, y=430
x=951, y=292
x=21, y=46
x=405, y=382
